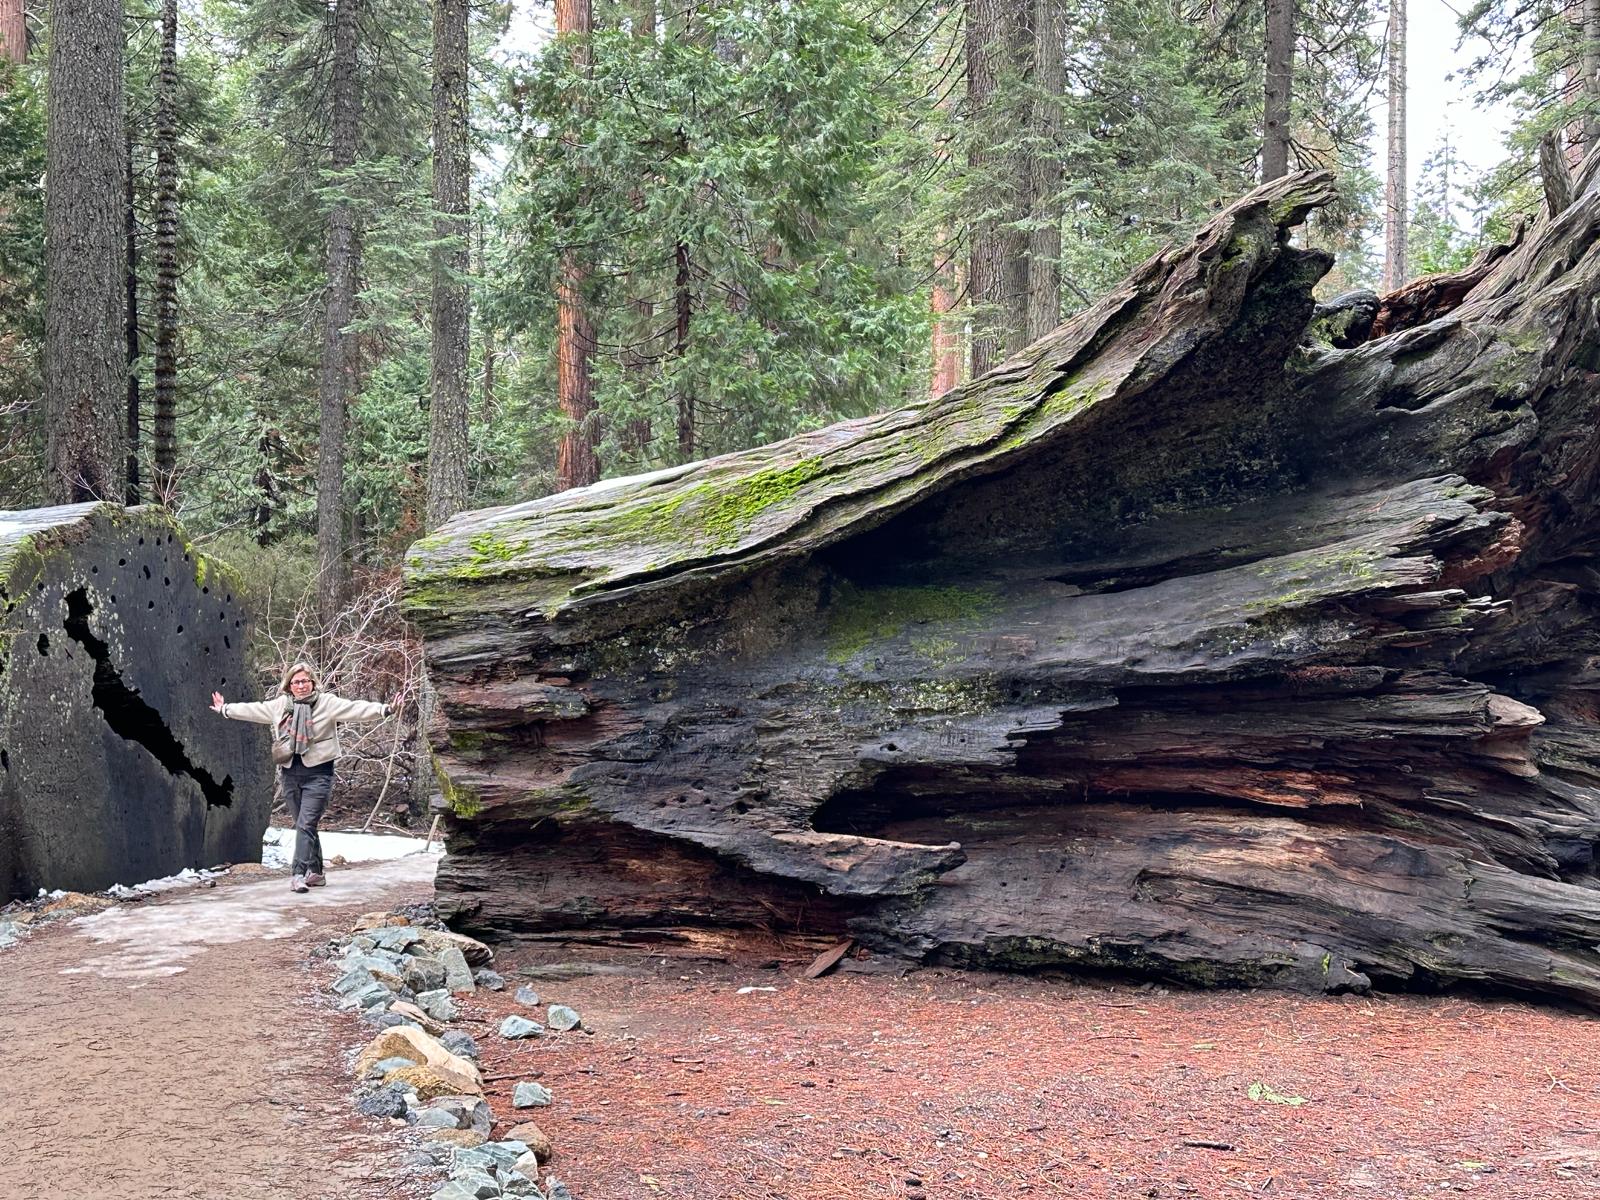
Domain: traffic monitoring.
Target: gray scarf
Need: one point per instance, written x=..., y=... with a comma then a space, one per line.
x=298, y=719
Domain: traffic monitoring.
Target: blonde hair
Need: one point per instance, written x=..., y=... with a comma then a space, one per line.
x=283, y=684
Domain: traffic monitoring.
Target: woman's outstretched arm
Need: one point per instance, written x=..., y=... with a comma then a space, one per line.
x=263, y=712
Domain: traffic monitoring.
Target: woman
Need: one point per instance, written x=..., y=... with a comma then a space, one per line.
x=305, y=742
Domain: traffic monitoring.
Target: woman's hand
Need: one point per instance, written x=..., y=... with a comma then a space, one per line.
x=217, y=702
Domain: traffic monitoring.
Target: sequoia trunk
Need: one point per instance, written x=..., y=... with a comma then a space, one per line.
x=1213, y=638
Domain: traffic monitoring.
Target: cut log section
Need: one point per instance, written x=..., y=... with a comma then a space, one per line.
x=113, y=635
x=1193, y=642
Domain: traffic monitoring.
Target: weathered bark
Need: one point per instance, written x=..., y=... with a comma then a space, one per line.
x=1186, y=644
x=447, y=440
x=84, y=357
x=1553, y=175
x=997, y=262
x=682, y=316
x=1043, y=307
x=1277, y=105
x=577, y=457
x=13, y=31
x=1591, y=73
x=946, y=335
x=130, y=326
x=165, y=464
x=1395, y=214
x=335, y=380
x=113, y=634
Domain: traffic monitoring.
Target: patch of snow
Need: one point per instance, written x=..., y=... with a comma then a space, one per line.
x=147, y=942
x=277, y=847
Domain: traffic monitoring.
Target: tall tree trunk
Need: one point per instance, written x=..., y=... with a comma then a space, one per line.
x=338, y=351
x=13, y=31
x=637, y=357
x=946, y=338
x=578, y=459
x=86, y=158
x=447, y=412
x=447, y=439
x=997, y=274
x=984, y=270
x=683, y=310
x=1394, y=188
x=166, y=364
x=1044, y=169
x=130, y=321
x=1275, y=115
x=1591, y=73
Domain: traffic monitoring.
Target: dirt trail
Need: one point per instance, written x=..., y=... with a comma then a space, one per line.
x=174, y=1049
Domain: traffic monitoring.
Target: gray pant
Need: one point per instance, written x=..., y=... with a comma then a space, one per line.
x=306, y=794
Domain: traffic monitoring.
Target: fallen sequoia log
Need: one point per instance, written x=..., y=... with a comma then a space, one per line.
x=113, y=634
x=1185, y=643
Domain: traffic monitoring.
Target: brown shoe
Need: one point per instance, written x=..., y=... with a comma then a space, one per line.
x=298, y=884
x=316, y=879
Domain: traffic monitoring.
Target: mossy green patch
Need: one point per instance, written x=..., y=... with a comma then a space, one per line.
x=861, y=616
x=735, y=508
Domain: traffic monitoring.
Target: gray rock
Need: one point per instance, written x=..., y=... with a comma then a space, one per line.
x=384, y=1066
x=479, y=1184
x=389, y=964
x=460, y=1043
x=352, y=981
x=515, y=1183
x=492, y=980
x=438, y=1118
x=396, y=937
x=385, y=1102
x=384, y=1019
x=424, y=974
x=526, y=995
x=437, y=1005
x=457, y=1112
x=373, y=995
x=531, y=1095
x=554, y=1189
x=457, y=975
x=473, y=1158
x=361, y=942
x=502, y=1155
x=455, y=1191
x=561, y=1018
x=520, y=1027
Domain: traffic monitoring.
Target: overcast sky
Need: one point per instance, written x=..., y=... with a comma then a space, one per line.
x=1438, y=103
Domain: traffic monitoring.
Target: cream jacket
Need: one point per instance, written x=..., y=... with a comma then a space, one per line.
x=326, y=716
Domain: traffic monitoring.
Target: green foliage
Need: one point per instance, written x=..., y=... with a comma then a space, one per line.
x=739, y=175
x=21, y=282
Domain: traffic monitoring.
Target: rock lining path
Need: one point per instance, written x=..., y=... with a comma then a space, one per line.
x=174, y=1049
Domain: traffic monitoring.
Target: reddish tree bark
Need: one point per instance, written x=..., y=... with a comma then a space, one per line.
x=578, y=458
x=13, y=31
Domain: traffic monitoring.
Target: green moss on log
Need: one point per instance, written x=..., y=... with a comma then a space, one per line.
x=860, y=617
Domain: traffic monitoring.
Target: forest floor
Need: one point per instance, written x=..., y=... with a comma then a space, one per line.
x=960, y=1085
x=185, y=1047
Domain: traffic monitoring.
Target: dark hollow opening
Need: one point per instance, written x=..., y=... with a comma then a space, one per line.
x=128, y=714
